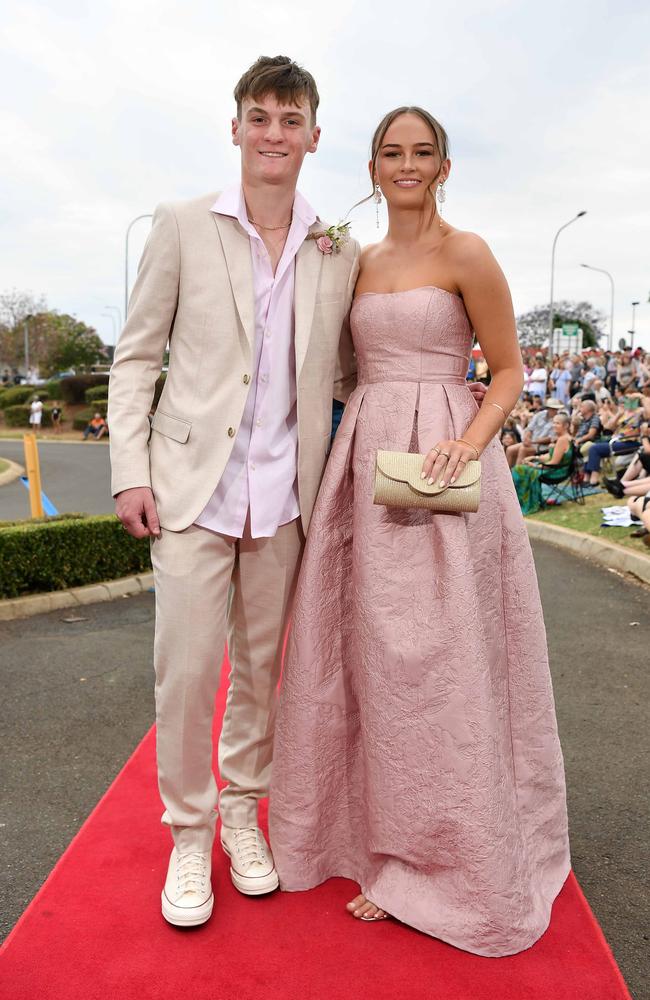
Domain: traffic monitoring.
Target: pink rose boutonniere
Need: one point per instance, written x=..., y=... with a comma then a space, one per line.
x=332, y=240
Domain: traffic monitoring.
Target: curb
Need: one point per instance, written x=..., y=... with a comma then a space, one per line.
x=13, y=472
x=608, y=554
x=40, y=604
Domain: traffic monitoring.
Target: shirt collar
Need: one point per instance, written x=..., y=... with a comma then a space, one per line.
x=231, y=202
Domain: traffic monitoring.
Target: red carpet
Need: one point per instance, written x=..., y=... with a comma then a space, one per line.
x=94, y=932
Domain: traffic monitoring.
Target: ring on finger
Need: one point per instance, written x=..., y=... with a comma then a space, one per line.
x=445, y=453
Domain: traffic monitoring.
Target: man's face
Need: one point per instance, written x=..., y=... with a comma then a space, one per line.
x=274, y=139
x=585, y=409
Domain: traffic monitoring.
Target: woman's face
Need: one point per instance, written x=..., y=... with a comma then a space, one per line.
x=408, y=166
x=559, y=426
x=508, y=438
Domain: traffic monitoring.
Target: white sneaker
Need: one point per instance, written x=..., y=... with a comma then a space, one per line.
x=187, y=898
x=251, y=863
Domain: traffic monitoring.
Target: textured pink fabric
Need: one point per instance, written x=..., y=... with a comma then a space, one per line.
x=416, y=748
x=261, y=470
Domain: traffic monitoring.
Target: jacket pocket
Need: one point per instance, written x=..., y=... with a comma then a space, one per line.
x=172, y=427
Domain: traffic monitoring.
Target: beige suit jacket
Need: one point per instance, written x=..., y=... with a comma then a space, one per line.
x=195, y=289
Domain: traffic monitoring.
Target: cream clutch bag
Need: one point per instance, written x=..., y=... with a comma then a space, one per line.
x=398, y=484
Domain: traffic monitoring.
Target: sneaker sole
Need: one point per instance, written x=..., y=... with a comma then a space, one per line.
x=181, y=916
x=257, y=886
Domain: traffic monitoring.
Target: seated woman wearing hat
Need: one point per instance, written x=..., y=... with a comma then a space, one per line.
x=554, y=465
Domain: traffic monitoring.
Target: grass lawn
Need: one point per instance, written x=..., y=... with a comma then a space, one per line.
x=4, y=465
x=588, y=518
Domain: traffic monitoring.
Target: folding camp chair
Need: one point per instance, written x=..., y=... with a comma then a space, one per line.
x=573, y=482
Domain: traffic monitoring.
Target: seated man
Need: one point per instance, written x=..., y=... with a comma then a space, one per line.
x=624, y=441
x=97, y=427
x=589, y=426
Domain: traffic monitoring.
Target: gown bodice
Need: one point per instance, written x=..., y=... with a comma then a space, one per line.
x=419, y=335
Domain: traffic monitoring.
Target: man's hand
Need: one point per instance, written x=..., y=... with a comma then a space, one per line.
x=136, y=509
x=478, y=391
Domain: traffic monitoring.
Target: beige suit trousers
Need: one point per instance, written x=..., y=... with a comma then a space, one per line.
x=209, y=588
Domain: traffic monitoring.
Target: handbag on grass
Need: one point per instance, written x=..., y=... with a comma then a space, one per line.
x=398, y=484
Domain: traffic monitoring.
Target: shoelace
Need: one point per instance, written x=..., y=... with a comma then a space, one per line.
x=249, y=846
x=190, y=873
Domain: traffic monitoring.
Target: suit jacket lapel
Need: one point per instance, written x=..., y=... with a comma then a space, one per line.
x=309, y=261
x=237, y=251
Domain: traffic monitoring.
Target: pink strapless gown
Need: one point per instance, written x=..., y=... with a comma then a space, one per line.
x=416, y=747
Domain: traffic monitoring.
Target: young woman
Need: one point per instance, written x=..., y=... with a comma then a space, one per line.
x=555, y=464
x=416, y=748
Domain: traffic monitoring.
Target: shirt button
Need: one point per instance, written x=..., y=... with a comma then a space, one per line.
x=264, y=378
x=267, y=334
x=252, y=467
x=231, y=432
x=259, y=423
x=246, y=379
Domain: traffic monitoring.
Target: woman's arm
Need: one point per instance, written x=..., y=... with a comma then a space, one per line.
x=489, y=306
x=488, y=303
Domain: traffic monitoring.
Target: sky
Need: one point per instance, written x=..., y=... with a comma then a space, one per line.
x=113, y=106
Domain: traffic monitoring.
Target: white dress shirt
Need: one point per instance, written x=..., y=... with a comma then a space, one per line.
x=261, y=473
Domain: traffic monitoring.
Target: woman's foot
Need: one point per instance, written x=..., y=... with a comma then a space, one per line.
x=363, y=909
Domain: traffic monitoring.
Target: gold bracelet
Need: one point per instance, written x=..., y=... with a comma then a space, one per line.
x=499, y=407
x=469, y=443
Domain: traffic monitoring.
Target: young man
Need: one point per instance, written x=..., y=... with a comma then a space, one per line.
x=225, y=485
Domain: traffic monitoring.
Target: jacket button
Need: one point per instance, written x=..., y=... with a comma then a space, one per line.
x=246, y=379
x=231, y=432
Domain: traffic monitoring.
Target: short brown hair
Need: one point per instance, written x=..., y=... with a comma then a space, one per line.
x=280, y=76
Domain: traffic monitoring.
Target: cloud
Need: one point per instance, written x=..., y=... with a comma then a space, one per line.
x=116, y=106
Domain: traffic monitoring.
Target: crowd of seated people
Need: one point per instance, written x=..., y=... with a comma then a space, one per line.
x=578, y=412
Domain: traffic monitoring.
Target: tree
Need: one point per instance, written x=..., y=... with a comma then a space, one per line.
x=532, y=326
x=70, y=343
x=57, y=341
x=16, y=308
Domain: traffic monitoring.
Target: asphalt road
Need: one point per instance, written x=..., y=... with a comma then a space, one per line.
x=78, y=698
x=75, y=477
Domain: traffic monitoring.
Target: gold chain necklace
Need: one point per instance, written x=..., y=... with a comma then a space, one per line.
x=271, y=229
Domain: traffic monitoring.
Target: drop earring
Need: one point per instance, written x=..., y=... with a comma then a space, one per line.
x=377, y=199
x=441, y=197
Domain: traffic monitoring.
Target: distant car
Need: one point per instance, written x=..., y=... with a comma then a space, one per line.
x=68, y=374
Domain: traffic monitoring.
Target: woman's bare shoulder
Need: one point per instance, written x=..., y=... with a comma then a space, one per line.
x=369, y=253
x=464, y=244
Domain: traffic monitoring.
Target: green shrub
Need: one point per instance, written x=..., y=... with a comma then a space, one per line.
x=53, y=389
x=58, y=553
x=73, y=388
x=18, y=416
x=96, y=393
x=42, y=520
x=22, y=394
x=83, y=417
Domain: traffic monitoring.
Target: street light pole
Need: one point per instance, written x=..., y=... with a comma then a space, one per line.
x=147, y=215
x=550, y=316
x=26, y=343
x=601, y=270
x=634, y=305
